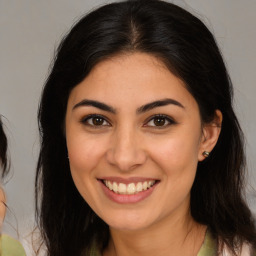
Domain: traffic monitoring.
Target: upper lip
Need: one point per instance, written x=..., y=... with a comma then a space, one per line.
x=127, y=180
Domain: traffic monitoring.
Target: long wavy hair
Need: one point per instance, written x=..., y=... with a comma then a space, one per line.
x=188, y=49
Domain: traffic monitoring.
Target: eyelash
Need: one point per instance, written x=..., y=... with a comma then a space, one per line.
x=88, y=120
x=167, y=121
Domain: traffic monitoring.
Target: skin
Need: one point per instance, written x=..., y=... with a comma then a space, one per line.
x=2, y=206
x=128, y=143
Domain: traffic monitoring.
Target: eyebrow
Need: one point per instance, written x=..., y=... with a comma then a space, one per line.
x=142, y=109
x=158, y=103
x=96, y=104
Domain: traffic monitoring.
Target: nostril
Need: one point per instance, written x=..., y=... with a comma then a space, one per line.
x=124, y=159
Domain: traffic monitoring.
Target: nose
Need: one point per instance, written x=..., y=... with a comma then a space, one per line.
x=126, y=150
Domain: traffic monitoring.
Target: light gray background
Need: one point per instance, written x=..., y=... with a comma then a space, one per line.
x=30, y=31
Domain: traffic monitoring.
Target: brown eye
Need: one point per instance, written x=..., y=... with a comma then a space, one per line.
x=95, y=120
x=159, y=121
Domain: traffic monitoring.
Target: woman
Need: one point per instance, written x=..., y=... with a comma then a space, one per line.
x=8, y=245
x=141, y=152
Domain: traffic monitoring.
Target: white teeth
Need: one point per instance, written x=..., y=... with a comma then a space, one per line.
x=150, y=183
x=115, y=187
x=139, y=187
x=109, y=185
x=122, y=188
x=130, y=188
x=145, y=185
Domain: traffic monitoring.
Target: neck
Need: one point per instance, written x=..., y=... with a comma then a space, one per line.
x=181, y=236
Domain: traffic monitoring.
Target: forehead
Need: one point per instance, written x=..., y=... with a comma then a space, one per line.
x=131, y=78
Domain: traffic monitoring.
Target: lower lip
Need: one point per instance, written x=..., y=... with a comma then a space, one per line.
x=127, y=199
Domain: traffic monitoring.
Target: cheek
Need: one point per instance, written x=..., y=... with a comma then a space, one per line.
x=84, y=153
x=83, y=158
x=177, y=150
x=177, y=159
x=177, y=156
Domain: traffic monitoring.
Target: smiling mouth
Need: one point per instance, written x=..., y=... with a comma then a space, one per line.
x=129, y=189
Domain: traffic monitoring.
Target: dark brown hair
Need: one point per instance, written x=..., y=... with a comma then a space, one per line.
x=4, y=167
x=188, y=49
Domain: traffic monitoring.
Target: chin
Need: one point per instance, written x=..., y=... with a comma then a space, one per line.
x=129, y=222
x=128, y=226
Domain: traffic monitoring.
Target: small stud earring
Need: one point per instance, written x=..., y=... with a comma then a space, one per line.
x=206, y=154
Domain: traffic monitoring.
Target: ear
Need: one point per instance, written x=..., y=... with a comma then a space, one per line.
x=210, y=135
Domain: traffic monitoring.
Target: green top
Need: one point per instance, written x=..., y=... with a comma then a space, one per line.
x=208, y=248
x=10, y=247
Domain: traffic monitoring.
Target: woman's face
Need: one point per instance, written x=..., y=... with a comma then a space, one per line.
x=134, y=139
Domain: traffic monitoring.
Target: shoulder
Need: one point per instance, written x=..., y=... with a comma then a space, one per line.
x=10, y=246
